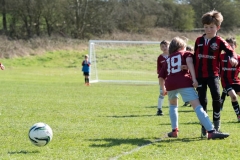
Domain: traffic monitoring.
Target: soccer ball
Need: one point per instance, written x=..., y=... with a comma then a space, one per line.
x=40, y=134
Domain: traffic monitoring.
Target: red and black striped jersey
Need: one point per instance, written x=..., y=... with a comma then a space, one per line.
x=160, y=61
x=229, y=74
x=206, y=55
x=175, y=77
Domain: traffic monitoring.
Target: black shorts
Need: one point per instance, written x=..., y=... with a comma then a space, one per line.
x=235, y=87
x=86, y=73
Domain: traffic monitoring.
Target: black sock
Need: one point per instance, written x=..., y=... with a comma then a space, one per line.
x=236, y=107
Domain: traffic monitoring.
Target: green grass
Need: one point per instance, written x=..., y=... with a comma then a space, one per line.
x=102, y=121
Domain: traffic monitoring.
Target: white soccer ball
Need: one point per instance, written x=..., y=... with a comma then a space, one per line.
x=40, y=134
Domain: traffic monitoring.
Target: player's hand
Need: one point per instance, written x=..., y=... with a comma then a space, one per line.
x=2, y=66
x=164, y=92
x=195, y=83
x=233, y=61
x=184, y=67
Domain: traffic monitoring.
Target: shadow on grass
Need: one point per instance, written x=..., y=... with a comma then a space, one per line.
x=110, y=142
x=184, y=140
x=156, y=107
x=23, y=152
x=130, y=116
x=230, y=122
x=186, y=111
x=186, y=123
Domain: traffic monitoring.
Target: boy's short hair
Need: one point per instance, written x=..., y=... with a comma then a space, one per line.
x=164, y=42
x=189, y=48
x=213, y=16
x=86, y=56
x=176, y=44
x=232, y=40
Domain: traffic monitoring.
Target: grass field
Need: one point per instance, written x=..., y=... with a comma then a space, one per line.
x=102, y=121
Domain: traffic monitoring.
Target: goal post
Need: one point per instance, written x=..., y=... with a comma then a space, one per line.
x=123, y=61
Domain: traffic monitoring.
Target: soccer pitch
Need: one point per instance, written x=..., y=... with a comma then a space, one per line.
x=102, y=121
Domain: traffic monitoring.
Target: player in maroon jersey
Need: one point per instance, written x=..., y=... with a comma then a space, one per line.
x=176, y=80
x=207, y=52
x=229, y=78
x=160, y=61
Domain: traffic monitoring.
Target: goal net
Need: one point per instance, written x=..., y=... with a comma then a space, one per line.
x=124, y=61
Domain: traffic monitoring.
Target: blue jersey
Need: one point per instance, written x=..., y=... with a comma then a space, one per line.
x=86, y=66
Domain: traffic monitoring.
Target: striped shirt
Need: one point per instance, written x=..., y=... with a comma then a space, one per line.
x=207, y=55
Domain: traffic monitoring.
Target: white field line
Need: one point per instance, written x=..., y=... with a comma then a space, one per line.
x=135, y=149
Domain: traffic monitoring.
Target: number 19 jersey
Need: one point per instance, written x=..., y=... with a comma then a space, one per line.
x=175, y=77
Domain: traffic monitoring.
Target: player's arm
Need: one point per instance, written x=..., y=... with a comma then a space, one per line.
x=190, y=65
x=158, y=65
x=162, y=75
x=230, y=52
x=162, y=82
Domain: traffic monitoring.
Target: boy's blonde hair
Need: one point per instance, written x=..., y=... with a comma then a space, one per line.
x=214, y=17
x=176, y=44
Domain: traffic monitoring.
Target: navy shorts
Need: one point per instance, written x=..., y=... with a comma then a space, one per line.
x=86, y=73
x=235, y=87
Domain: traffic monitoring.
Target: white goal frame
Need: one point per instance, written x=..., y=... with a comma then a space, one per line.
x=93, y=60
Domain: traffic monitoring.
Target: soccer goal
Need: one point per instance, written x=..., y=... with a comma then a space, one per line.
x=124, y=61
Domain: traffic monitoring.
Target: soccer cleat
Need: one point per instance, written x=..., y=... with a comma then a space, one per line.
x=173, y=134
x=217, y=135
x=203, y=132
x=159, y=112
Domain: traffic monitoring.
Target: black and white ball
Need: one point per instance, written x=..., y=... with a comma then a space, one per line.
x=40, y=134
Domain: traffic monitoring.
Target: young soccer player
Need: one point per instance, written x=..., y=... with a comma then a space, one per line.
x=229, y=78
x=207, y=52
x=185, y=84
x=86, y=69
x=160, y=61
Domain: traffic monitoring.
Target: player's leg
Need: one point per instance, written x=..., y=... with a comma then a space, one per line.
x=214, y=86
x=202, y=94
x=173, y=112
x=233, y=91
x=205, y=121
x=189, y=94
x=87, y=78
x=160, y=103
x=223, y=97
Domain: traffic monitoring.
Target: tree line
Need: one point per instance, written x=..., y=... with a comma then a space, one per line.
x=82, y=19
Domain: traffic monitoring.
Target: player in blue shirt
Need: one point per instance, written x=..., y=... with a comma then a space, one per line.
x=86, y=69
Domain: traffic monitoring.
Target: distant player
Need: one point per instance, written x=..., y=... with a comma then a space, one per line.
x=229, y=78
x=160, y=61
x=86, y=69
